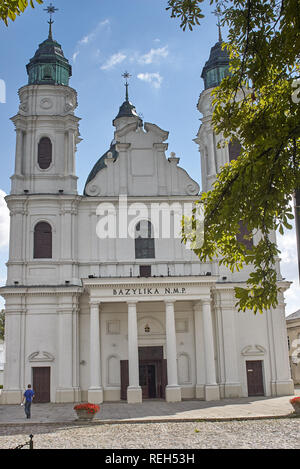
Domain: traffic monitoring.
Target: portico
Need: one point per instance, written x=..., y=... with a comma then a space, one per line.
x=164, y=298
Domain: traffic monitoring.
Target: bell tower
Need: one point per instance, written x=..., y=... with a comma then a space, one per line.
x=212, y=157
x=47, y=130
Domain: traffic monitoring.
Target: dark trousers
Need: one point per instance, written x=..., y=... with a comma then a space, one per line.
x=28, y=409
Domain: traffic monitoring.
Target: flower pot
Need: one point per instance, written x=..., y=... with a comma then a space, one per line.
x=86, y=412
x=296, y=404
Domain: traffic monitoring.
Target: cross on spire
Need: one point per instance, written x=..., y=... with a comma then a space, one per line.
x=218, y=14
x=51, y=10
x=126, y=75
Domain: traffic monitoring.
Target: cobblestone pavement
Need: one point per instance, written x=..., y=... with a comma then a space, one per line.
x=263, y=422
x=250, y=434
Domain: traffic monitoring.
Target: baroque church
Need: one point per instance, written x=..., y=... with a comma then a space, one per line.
x=99, y=310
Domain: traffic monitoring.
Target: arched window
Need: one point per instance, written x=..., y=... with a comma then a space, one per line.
x=42, y=241
x=144, y=241
x=248, y=243
x=44, y=153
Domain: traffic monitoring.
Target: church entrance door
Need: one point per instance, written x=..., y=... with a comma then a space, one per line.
x=255, y=378
x=148, y=380
x=41, y=384
x=152, y=372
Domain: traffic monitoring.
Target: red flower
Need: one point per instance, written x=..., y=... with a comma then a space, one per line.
x=91, y=408
x=295, y=399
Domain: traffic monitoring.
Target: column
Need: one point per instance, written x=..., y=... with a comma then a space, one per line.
x=13, y=388
x=281, y=382
x=95, y=392
x=200, y=359
x=173, y=390
x=212, y=391
x=19, y=149
x=65, y=391
x=134, y=391
x=232, y=387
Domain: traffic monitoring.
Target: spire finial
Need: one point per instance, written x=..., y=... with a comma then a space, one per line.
x=126, y=75
x=51, y=10
x=218, y=14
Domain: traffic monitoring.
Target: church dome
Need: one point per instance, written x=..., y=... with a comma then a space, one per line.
x=49, y=65
x=127, y=110
x=101, y=163
x=217, y=66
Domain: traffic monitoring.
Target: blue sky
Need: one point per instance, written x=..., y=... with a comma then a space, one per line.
x=102, y=39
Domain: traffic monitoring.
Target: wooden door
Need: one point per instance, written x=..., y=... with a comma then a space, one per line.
x=124, y=378
x=41, y=384
x=255, y=378
x=164, y=379
x=143, y=380
x=147, y=379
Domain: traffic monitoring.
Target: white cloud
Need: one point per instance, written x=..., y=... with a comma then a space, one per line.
x=4, y=221
x=153, y=55
x=155, y=79
x=90, y=37
x=75, y=55
x=113, y=60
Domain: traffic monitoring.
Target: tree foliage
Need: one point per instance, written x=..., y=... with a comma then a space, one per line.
x=10, y=9
x=258, y=104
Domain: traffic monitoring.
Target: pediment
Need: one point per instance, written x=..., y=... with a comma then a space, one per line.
x=253, y=350
x=141, y=168
x=41, y=357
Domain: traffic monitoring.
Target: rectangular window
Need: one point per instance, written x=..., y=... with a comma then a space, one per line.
x=145, y=270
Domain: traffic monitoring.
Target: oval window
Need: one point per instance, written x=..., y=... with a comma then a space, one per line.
x=44, y=153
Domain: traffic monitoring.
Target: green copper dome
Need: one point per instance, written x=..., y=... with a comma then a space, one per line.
x=217, y=66
x=49, y=65
x=101, y=164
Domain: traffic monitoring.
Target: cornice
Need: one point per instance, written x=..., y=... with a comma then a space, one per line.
x=147, y=282
x=42, y=290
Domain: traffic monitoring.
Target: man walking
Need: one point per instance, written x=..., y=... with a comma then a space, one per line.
x=28, y=396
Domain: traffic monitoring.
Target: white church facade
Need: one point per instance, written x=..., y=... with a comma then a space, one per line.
x=134, y=315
